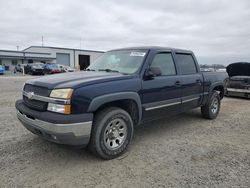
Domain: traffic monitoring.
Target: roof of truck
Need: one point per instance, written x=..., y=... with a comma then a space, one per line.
x=154, y=48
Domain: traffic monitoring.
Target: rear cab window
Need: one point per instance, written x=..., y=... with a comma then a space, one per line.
x=186, y=63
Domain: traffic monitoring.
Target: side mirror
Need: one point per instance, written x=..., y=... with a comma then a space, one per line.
x=152, y=72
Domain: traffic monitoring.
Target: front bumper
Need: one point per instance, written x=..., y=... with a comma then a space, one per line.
x=37, y=71
x=238, y=92
x=64, y=129
x=56, y=71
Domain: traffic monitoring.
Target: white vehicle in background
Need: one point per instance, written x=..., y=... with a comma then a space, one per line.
x=205, y=70
x=221, y=70
x=20, y=67
x=67, y=68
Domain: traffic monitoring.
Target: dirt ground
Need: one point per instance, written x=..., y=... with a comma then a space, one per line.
x=184, y=151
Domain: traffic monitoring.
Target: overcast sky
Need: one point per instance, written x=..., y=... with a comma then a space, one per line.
x=218, y=31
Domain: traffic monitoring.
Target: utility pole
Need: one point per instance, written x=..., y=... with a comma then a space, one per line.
x=17, y=48
x=42, y=40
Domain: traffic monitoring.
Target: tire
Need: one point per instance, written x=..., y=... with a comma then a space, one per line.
x=212, y=108
x=112, y=132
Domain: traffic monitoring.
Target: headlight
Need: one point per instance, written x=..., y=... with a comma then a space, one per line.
x=61, y=93
x=63, y=109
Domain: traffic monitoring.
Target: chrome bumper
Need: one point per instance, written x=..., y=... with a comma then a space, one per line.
x=72, y=134
x=238, y=90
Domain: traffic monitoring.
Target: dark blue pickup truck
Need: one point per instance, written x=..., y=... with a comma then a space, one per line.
x=100, y=106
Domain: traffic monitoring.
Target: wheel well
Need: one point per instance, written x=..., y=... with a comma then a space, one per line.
x=128, y=105
x=220, y=89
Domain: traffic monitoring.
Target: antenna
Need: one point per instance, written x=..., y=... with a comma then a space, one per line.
x=42, y=40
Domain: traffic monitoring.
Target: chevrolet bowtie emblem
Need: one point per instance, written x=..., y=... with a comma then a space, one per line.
x=30, y=95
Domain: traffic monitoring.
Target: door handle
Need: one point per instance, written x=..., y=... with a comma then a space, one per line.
x=177, y=83
x=198, y=81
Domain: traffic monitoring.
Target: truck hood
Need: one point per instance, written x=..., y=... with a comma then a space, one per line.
x=76, y=79
x=238, y=69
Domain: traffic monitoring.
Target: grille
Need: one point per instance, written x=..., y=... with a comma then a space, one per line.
x=239, y=84
x=38, y=90
x=35, y=104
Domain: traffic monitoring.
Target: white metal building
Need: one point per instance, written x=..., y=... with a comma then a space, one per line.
x=44, y=54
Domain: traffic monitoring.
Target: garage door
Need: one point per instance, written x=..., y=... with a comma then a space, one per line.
x=62, y=59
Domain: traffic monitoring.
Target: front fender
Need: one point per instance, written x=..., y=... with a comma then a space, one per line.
x=103, y=99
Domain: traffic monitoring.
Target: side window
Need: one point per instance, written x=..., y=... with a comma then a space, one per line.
x=164, y=62
x=186, y=63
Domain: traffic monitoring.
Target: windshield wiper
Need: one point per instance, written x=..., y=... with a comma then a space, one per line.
x=108, y=70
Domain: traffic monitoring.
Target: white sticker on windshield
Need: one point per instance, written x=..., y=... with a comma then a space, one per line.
x=142, y=54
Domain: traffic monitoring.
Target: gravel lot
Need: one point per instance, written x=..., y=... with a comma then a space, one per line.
x=184, y=151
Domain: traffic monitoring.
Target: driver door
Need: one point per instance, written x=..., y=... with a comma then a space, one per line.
x=161, y=94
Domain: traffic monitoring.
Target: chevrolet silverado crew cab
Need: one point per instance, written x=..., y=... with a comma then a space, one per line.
x=100, y=106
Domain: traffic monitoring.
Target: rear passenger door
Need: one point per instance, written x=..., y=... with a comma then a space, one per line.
x=161, y=94
x=191, y=81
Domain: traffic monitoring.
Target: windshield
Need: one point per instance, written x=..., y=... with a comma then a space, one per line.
x=123, y=61
x=53, y=66
x=38, y=65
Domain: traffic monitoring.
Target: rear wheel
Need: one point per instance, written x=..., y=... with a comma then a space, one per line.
x=212, y=108
x=111, y=133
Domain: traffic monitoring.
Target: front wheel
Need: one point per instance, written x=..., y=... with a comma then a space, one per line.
x=112, y=132
x=212, y=108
